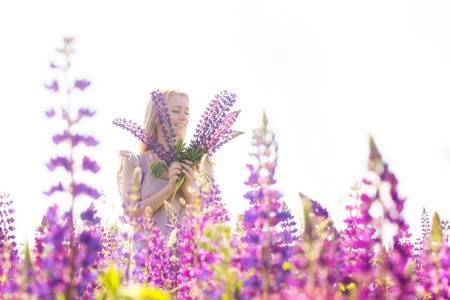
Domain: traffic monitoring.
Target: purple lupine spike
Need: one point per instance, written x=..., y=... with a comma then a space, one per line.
x=163, y=117
x=54, y=86
x=90, y=165
x=59, y=161
x=82, y=84
x=145, y=138
x=213, y=129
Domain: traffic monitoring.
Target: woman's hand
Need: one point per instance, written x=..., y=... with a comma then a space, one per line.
x=189, y=172
x=174, y=174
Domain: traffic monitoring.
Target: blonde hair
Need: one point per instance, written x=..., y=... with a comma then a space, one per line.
x=150, y=117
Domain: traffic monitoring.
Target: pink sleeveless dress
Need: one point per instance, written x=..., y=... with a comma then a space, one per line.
x=150, y=185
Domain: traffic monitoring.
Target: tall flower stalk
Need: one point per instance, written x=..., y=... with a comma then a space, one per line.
x=265, y=255
x=71, y=116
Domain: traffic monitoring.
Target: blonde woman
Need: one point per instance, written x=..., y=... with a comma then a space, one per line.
x=155, y=191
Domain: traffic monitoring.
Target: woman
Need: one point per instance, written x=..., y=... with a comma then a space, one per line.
x=155, y=191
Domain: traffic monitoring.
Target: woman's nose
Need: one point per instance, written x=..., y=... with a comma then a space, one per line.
x=183, y=116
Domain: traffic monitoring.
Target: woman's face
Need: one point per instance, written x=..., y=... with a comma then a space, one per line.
x=178, y=107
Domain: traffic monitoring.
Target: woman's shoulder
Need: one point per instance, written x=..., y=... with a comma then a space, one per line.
x=139, y=159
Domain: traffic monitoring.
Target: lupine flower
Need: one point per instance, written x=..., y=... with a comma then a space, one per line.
x=59, y=161
x=53, y=86
x=9, y=257
x=82, y=84
x=81, y=188
x=58, y=138
x=213, y=129
x=54, y=188
x=87, y=140
x=89, y=216
x=50, y=113
x=163, y=117
x=90, y=165
x=146, y=138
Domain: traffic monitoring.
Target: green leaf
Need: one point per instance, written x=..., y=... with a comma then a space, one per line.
x=157, y=169
x=180, y=181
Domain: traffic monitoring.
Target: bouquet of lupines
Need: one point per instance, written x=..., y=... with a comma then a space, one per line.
x=212, y=132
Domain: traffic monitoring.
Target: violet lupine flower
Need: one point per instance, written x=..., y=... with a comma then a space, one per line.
x=54, y=86
x=147, y=139
x=83, y=112
x=75, y=139
x=50, y=113
x=152, y=257
x=54, y=188
x=82, y=84
x=87, y=140
x=89, y=216
x=59, y=162
x=81, y=188
x=53, y=265
x=163, y=117
x=90, y=165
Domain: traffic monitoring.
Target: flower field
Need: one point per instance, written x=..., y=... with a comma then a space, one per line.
x=267, y=254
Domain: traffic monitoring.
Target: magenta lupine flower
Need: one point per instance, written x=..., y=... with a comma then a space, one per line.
x=265, y=251
x=54, y=86
x=90, y=165
x=213, y=129
x=207, y=249
x=402, y=248
x=82, y=84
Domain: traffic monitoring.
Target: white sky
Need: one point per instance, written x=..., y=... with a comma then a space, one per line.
x=327, y=73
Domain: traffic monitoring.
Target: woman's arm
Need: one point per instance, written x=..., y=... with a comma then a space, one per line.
x=156, y=200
